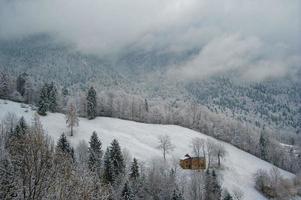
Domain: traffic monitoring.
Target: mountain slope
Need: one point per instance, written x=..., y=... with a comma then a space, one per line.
x=141, y=140
x=273, y=103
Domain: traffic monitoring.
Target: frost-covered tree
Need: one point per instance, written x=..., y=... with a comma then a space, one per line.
x=21, y=127
x=63, y=146
x=127, y=192
x=91, y=103
x=48, y=99
x=177, y=195
x=212, y=187
x=263, y=144
x=95, y=153
x=71, y=117
x=43, y=103
x=117, y=158
x=198, y=147
x=227, y=196
x=52, y=97
x=165, y=145
x=4, y=85
x=108, y=171
x=134, y=173
x=21, y=80
x=220, y=152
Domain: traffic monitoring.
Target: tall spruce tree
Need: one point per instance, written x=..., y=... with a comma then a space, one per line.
x=177, y=195
x=212, y=186
x=263, y=144
x=52, y=97
x=108, y=172
x=91, y=103
x=4, y=82
x=117, y=158
x=63, y=146
x=43, y=103
x=21, y=127
x=127, y=193
x=21, y=80
x=95, y=153
x=227, y=196
x=134, y=174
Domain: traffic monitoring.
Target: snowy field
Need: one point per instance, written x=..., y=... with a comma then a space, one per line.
x=141, y=141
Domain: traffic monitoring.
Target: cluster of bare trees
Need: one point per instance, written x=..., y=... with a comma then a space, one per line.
x=273, y=185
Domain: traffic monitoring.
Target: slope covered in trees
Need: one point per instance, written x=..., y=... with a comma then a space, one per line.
x=274, y=103
x=141, y=141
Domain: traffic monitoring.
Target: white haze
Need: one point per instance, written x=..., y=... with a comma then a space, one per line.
x=258, y=38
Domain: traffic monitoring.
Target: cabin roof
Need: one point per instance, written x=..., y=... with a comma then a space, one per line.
x=187, y=157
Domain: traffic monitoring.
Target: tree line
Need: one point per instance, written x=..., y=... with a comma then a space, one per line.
x=261, y=142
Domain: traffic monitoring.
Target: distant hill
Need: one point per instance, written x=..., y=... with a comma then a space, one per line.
x=275, y=103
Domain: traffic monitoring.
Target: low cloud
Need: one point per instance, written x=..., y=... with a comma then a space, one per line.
x=258, y=37
x=247, y=57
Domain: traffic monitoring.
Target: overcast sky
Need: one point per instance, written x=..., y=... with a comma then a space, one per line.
x=260, y=38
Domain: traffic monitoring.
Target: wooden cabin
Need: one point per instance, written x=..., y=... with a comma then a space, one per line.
x=193, y=163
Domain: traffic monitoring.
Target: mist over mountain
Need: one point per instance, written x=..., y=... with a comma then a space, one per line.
x=274, y=102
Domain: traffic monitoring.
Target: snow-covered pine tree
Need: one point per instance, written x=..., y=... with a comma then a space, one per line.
x=65, y=91
x=43, y=103
x=108, y=172
x=95, y=153
x=117, y=158
x=52, y=97
x=127, y=192
x=63, y=146
x=91, y=103
x=263, y=145
x=227, y=196
x=22, y=126
x=71, y=117
x=21, y=80
x=4, y=83
x=134, y=174
x=212, y=187
x=177, y=195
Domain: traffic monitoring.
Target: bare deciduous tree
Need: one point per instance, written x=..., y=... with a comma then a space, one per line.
x=165, y=145
x=220, y=152
x=198, y=147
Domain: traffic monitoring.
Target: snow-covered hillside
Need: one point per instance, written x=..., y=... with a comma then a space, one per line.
x=141, y=140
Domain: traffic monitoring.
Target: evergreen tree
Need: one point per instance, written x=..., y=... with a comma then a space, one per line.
x=127, y=192
x=227, y=196
x=263, y=144
x=117, y=158
x=65, y=91
x=134, y=174
x=108, y=173
x=91, y=103
x=43, y=103
x=212, y=186
x=52, y=97
x=95, y=153
x=21, y=127
x=64, y=146
x=4, y=82
x=177, y=195
x=21, y=80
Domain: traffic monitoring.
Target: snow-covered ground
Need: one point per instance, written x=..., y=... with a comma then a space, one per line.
x=142, y=139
